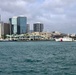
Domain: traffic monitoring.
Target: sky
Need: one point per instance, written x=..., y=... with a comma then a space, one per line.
x=56, y=15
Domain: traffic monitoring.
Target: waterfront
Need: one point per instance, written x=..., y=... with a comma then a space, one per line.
x=38, y=58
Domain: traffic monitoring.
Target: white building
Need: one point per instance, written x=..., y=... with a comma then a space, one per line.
x=1, y=29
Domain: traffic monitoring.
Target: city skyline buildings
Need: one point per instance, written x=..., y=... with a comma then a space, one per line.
x=18, y=24
x=56, y=15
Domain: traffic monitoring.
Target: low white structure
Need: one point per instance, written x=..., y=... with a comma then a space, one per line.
x=64, y=39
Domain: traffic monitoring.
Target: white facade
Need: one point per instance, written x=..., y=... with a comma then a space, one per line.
x=64, y=39
x=1, y=29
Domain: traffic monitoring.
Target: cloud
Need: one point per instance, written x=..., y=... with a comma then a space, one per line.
x=55, y=14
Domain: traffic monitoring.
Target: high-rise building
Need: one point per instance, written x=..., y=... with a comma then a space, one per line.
x=38, y=27
x=6, y=28
x=18, y=25
x=28, y=28
x=1, y=29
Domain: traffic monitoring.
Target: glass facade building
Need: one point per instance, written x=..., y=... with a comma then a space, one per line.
x=18, y=25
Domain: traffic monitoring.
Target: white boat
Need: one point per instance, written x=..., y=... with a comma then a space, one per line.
x=64, y=39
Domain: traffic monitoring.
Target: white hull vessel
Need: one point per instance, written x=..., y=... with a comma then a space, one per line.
x=64, y=39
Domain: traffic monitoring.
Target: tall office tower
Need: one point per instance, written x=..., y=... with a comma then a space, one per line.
x=18, y=25
x=28, y=28
x=38, y=27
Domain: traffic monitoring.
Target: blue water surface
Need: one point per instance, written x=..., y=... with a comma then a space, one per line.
x=38, y=58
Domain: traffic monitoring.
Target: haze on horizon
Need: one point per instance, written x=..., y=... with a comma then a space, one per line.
x=56, y=15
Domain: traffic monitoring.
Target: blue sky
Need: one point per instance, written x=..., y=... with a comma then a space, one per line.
x=56, y=15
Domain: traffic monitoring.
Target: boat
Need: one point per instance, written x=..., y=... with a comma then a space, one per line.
x=67, y=39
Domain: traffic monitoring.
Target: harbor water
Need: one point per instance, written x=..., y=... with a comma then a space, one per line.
x=38, y=58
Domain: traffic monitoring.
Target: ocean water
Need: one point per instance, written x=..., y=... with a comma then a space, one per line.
x=38, y=58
